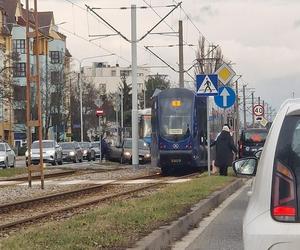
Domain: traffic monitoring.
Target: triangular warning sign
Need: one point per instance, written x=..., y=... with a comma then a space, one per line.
x=207, y=87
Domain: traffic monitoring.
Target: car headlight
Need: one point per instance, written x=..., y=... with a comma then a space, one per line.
x=147, y=155
x=2, y=158
x=51, y=152
x=127, y=154
x=85, y=151
x=26, y=153
x=72, y=153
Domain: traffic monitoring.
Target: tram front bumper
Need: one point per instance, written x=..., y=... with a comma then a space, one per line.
x=178, y=157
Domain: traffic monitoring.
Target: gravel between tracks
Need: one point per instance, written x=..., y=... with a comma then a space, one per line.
x=21, y=192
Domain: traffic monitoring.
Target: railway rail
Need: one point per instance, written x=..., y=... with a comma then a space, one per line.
x=78, y=198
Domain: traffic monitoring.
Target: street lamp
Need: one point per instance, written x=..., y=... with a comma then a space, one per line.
x=80, y=61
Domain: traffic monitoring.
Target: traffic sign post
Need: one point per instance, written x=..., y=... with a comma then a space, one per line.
x=258, y=110
x=207, y=85
x=226, y=97
x=99, y=114
x=225, y=74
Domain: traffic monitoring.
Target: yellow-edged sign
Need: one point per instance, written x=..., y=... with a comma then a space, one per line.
x=225, y=73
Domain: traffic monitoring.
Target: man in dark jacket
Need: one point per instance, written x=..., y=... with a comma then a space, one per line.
x=224, y=150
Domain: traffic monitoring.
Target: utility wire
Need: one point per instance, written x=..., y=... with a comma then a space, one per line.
x=138, y=7
x=97, y=45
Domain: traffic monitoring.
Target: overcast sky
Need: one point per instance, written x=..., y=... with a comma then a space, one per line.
x=260, y=37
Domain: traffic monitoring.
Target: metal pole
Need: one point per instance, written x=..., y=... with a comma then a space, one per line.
x=237, y=122
x=122, y=117
x=208, y=136
x=244, y=106
x=181, y=70
x=259, y=100
x=135, y=137
x=100, y=140
x=28, y=99
x=117, y=124
x=253, y=121
x=80, y=97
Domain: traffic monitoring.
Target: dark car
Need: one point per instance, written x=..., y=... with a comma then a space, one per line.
x=71, y=151
x=123, y=152
x=88, y=151
x=251, y=140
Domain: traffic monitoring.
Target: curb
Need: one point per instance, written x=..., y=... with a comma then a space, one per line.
x=163, y=237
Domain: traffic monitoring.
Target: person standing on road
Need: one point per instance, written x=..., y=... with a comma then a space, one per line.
x=224, y=150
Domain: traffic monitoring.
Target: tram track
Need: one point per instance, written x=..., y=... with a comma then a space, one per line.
x=14, y=214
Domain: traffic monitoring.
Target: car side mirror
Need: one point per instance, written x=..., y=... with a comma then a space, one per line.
x=8, y=150
x=245, y=166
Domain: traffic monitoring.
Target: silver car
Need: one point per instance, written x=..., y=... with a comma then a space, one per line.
x=7, y=156
x=52, y=153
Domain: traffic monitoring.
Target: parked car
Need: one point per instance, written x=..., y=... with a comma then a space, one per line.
x=123, y=152
x=52, y=153
x=251, y=140
x=105, y=149
x=72, y=151
x=88, y=152
x=7, y=156
x=272, y=219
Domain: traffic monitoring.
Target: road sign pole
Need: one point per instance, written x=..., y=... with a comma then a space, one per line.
x=100, y=140
x=208, y=136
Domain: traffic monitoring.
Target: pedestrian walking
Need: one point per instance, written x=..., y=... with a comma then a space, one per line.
x=224, y=150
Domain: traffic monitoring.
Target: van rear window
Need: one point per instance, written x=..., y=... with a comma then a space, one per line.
x=255, y=136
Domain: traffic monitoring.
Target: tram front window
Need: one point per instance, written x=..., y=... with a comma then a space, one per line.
x=175, y=122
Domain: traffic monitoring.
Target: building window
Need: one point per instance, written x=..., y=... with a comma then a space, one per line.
x=19, y=93
x=19, y=70
x=19, y=46
x=113, y=73
x=55, y=77
x=125, y=72
x=56, y=57
x=140, y=74
x=20, y=116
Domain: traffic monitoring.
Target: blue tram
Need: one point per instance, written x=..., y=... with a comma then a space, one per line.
x=179, y=126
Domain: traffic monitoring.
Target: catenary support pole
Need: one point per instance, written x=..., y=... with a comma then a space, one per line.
x=181, y=66
x=244, y=106
x=253, y=121
x=135, y=149
x=80, y=97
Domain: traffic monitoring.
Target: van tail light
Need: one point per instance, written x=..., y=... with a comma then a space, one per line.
x=284, y=201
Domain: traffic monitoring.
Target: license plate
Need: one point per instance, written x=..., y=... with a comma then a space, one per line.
x=176, y=160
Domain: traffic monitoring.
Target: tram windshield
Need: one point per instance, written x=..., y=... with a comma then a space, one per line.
x=176, y=120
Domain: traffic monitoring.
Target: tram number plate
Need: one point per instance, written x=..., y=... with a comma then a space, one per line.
x=176, y=160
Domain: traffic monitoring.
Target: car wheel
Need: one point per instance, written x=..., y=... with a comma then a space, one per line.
x=6, y=164
x=14, y=163
x=54, y=162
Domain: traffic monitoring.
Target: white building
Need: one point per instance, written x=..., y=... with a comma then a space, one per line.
x=108, y=78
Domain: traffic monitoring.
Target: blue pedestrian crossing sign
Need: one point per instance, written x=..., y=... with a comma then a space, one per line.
x=226, y=97
x=207, y=85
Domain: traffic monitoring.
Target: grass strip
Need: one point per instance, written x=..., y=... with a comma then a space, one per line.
x=118, y=224
x=10, y=172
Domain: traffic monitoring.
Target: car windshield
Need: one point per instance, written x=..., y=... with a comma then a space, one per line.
x=67, y=145
x=256, y=136
x=46, y=144
x=84, y=144
x=176, y=117
x=2, y=147
x=142, y=144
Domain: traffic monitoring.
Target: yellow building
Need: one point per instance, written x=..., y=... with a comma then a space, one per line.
x=6, y=58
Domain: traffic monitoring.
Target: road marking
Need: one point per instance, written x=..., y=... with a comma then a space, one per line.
x=186, y=241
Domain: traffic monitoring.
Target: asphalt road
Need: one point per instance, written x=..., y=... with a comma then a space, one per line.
x=222, y=230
